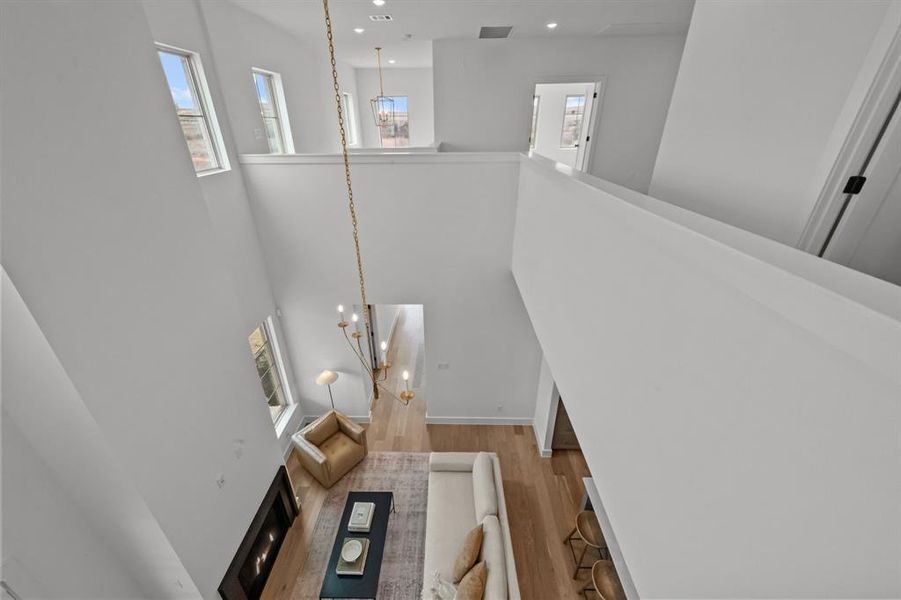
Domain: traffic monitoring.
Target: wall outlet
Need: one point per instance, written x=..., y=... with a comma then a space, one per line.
x=258, y=134
x=220, y=481
x=500, y=407
x=443, y=366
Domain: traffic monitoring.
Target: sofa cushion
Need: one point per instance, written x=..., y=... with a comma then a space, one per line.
x=484, y=494
x=469, y=553
x=449, y=517
x=452, y=461
x=473, y=585
x=495, y=559
x=341, y=453
x=321, y=429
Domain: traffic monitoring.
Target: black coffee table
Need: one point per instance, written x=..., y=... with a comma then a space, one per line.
x=367, y=584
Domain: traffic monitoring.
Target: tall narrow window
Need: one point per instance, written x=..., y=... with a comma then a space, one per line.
x=271, y=97
x=572, y=121
x=194, y=108
x=397, y=134
x=533, y=135
x=350, y=118
x=268, y=370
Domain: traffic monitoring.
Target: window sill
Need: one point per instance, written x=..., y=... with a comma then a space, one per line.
x=283, y=419
x=213, y=172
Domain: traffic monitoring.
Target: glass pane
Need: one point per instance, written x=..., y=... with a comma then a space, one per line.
x=270, y=383
x=178, y=75
x=274, y=135
x=349, y=125
x=265, y=95
x=257, y=339
x=199, y=144
x=397, y=133
x=264, y=363
x=572, y=121
x=534, y=133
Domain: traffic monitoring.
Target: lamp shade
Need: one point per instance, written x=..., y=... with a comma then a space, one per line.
x=326, y=378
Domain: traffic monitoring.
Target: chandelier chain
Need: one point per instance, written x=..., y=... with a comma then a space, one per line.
x=347, y=178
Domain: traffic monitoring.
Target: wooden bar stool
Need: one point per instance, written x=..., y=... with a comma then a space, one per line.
x=588, y=530
x=605, y=581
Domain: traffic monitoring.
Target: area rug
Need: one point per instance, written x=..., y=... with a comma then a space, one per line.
x=407, y=475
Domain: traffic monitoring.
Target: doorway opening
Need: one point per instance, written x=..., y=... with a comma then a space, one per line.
x=398, y=333
x=564, y=437
x=563, y=118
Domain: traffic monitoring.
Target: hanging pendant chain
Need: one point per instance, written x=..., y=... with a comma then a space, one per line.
x=350, y=191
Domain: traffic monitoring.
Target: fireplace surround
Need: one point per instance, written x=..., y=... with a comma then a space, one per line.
x=246, y=576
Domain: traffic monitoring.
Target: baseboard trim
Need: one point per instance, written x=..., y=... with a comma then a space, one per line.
x=543, y=452
x=476, y=421
x=356, y=419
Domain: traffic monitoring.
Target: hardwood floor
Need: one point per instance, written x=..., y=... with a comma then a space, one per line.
x=542, y=494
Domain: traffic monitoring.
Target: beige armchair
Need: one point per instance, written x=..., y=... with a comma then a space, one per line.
x=330, y=446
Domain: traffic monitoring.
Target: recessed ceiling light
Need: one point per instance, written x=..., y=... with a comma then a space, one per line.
x=391, y=61
x=379, y=2
x=359, y=30
x=551, y=25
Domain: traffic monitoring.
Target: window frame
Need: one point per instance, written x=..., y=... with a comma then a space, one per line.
x=281, y=107
x=350, y=117
x=211, y=120
x=533, y=132
x=578, y=137
x=271, y=343
x=409, y=135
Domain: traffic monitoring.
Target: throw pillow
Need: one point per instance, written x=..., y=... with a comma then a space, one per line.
x=473, y=585
x=469, y=554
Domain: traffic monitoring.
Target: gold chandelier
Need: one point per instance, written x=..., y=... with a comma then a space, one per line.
x=382, y=105
x=377, y=374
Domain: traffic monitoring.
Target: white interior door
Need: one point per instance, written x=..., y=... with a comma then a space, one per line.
x=868, y=238
x=563, y=121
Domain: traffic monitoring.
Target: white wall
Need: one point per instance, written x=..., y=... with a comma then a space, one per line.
x=107, y=236
x=483, y=94
x=242, y=41
x=239, y=41
x=545, y=409
x=416, y=84
x=386, y=316
x=720, y=399
x=758, y=112
x=435, y=230
x=52, y=417
x=50, y=549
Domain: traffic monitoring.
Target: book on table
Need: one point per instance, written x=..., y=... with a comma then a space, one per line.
x=361, y=517
x=356, y=567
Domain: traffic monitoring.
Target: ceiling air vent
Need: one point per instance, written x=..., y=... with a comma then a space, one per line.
x=380, y=18
x=495, y=33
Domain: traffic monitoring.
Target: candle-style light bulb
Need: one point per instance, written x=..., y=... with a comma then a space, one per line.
x=354, y=317
x=406, y=376
x=384, y=346
x=341, y=313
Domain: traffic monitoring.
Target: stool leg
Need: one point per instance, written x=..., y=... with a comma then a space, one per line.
x=570, y=536
x=579, y=562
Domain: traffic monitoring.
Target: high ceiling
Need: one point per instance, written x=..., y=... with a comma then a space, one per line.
x=427, y=20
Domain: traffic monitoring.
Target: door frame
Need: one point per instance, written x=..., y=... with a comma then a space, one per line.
x=600, y=87
x=862, y=135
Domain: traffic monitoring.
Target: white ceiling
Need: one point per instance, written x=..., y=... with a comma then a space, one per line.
x=429, y=20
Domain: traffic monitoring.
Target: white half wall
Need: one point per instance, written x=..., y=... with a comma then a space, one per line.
x=50, y=550
x=435, y=230
x=483, y=95
x=726, y=391
x=416, y=84
x=40, y=399
x=759, y=111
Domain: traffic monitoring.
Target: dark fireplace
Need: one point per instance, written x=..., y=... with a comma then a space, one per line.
x=246, y=576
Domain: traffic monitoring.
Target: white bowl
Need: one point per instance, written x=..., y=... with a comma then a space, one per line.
x=351, y=550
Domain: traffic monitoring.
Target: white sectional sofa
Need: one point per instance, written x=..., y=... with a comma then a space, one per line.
x=465, y=489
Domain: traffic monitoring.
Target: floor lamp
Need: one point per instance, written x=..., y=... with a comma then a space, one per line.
x=327, y=378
